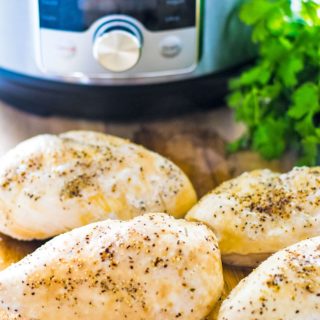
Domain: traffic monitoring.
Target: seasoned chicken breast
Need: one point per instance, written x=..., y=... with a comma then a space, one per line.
x=261, y=212
x=150, y=268
x=284, y=287
x=51, y=184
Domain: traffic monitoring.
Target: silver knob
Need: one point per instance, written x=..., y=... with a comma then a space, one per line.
x=117, y=50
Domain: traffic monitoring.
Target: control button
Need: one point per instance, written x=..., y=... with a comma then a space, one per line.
x=172, y=19
x=175, y=2
x=51, y=3
x=49, y=18
x=171, y=47
x=117, y=49
x=66, y=49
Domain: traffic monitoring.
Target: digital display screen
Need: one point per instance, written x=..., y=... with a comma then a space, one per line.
x=155, y=15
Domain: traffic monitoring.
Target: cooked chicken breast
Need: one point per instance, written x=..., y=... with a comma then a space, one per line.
x=261, y=212
x=7, y=315
x=52, y=184
x=284, y=287
x=151, y=267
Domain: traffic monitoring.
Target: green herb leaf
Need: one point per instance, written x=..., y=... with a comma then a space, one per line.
x=289, y=69
x=310, y=149
x=305, y=126
x=305, y=101
x=255, y=10
x=269, y=139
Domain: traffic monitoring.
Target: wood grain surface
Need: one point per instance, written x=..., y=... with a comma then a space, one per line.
x=195, y=142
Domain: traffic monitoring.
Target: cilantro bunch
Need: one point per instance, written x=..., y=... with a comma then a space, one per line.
x=279, y=97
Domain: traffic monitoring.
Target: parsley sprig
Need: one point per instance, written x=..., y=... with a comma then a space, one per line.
x=279, y=97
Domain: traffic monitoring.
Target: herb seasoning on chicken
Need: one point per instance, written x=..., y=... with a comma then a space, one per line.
x=153, y=267
x=262, y=212
x=284, y=287
x=52, y=184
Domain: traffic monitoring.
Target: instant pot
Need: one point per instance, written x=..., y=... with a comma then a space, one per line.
x=118, y=58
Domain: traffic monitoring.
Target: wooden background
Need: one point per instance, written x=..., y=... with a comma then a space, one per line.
x=195, y=142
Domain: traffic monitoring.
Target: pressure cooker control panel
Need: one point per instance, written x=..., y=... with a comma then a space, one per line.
x=118, y=38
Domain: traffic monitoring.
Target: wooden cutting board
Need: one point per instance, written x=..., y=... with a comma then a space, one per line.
x=194, y=142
